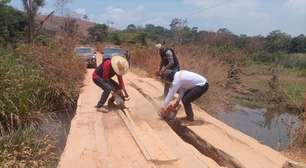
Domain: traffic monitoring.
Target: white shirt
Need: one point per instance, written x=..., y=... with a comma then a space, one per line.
x=183, y=81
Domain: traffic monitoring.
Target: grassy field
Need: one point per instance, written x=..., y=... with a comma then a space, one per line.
x=291, y=82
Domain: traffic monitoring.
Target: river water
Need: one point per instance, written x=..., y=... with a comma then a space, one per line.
x=274, y=129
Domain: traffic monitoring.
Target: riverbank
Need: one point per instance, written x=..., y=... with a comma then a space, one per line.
x=260, y=87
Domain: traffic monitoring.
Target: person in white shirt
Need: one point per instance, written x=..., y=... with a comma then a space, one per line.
x=190, y=87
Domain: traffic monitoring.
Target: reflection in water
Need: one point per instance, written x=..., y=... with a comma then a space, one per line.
x=274, y=129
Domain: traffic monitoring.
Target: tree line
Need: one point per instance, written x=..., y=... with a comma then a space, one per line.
x=180, y=33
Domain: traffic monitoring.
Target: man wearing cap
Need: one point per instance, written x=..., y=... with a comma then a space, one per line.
x=169, y=62
x=102, y=75
x=190, y=87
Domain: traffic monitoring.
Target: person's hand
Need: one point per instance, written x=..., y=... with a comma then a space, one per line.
x=177, y=102
x=163, y=109
x=163, y=69
x=125, y=93
x=120, y=93
x=126, y=97
x=157, y=73
x=113, y=92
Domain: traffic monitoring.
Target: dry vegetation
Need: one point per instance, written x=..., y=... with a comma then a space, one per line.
x=40, y=80
x=37, y=83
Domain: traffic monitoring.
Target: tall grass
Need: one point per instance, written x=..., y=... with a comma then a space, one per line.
x=26, y=148
x=21, y=87
x=35, y=83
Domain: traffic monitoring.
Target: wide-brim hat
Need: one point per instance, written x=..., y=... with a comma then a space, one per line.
x=120, y=65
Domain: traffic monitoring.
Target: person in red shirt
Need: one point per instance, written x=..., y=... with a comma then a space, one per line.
x=102, y=76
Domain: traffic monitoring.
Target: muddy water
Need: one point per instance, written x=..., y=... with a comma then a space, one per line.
x=274, y=129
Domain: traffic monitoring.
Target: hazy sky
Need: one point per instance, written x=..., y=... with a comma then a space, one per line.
x=252, y=17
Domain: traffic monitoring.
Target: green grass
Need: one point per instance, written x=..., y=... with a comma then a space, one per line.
x=21, y=86
x=257, y=68
x=295, y=92
x=292, y=87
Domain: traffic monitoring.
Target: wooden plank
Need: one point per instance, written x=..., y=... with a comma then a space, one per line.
x=157, y=150
x=155, y=146
x=131, y=127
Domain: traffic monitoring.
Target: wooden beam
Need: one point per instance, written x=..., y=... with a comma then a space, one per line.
x=133, y=130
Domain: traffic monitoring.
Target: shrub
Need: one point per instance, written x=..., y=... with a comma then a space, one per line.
x=12, y=24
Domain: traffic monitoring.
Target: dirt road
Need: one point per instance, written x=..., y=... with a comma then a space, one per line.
x=141, y=139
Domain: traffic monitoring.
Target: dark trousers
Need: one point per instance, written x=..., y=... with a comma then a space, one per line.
x=190, y=96
x=107, y=86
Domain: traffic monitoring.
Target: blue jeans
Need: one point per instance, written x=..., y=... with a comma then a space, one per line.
x=107, y=86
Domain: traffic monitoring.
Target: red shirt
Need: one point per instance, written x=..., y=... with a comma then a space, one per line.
x=106, y=72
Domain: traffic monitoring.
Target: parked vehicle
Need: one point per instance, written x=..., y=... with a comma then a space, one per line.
x=108, y=52
x=88, y=54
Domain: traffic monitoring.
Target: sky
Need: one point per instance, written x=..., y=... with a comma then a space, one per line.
x=251, y=17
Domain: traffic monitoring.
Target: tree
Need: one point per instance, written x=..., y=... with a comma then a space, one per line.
x=4, y=2
x=140, y=38
x=131, y=28
x=224, y=30
x=251, y=44
x=298, y=44
x=12, y=24
x=226, y=38
x=188, y=35
x=98, y=32
x=278, y=41
x=177, y=26
x=114, y=38
x=157, y=33
x=31, y=7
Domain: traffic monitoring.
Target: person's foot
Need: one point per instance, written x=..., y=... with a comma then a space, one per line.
x=186, y=121
x=103, y=109
x=98, y=105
